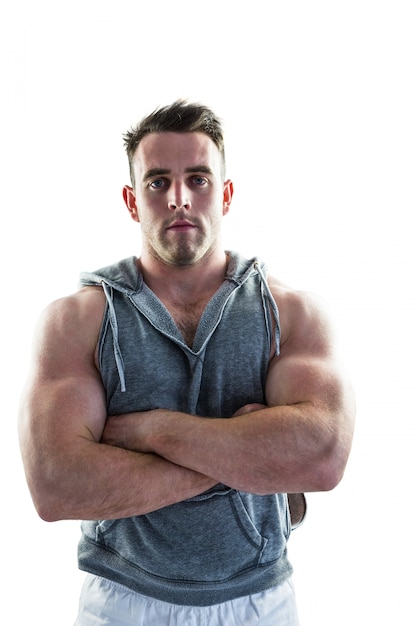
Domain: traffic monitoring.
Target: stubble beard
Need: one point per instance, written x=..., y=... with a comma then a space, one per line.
x=184, y=252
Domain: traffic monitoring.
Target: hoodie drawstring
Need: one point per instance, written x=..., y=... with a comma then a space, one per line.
x=267, y=295
x=115, y=331
x=108, y=291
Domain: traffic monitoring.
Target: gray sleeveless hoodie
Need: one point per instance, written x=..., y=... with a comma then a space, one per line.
x=223, y=543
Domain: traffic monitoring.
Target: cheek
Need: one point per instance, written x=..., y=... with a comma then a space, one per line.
x=214, y=203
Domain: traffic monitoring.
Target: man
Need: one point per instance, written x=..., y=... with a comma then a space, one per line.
x=177, y=398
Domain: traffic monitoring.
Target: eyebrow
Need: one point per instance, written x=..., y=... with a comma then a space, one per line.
x=203, y=169
x=160, y=171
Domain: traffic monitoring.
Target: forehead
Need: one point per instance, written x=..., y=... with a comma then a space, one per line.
x=176, y=151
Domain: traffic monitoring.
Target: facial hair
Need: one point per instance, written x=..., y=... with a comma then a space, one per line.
x=182, y=249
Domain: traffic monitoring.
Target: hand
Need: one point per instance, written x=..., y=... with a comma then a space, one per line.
x=127, y=431
x=131, y=431
x=249, y=408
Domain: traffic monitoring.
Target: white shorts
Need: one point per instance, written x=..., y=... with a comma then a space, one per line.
x=105, y=602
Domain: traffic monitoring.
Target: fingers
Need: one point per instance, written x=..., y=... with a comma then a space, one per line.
x=249, y=408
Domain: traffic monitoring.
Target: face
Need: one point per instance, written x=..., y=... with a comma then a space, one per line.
x=180, y=197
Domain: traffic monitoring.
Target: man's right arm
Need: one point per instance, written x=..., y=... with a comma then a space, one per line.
x=71, y=475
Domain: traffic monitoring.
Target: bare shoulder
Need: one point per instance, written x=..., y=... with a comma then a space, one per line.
x=310, y=366
x=68, y=329
x=63, y=379
x=78, y=306
x=305, y=320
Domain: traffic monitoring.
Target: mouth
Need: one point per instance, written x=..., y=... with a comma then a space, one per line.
x=181, y=226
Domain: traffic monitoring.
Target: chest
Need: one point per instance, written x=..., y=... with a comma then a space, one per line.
x=187, y=317
x=225, y=369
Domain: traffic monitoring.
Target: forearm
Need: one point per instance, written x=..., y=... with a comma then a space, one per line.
x=97, y=481
x=72, y=474
x=276, y=449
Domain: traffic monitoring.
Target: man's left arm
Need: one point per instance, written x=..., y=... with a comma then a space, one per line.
x=300, y=442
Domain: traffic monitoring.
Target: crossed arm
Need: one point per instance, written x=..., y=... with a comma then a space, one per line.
x=71, y=474
x=299, y=442
x=80, y=464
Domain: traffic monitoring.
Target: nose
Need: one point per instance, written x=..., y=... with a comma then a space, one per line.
x=179, y=198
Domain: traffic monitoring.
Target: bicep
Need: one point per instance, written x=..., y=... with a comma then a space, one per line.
x=309, y=369
x=305, y=379
x=64, y=397
x=317, y=401
x=54, y=412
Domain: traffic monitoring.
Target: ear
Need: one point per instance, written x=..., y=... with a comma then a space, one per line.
x=130, y=199
x=227, y=196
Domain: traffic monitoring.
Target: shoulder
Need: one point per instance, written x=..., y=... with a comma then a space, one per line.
x=71, y=325
x=83, y=306
x=309, y=364
x=304, y=317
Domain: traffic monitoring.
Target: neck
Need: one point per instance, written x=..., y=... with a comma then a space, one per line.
x=185, y=283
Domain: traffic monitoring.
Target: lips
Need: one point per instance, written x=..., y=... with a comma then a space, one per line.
x=181, y=225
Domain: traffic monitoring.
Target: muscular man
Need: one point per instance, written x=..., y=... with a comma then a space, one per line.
x=177, y=398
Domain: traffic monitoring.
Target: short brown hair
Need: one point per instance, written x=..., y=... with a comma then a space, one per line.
x=180, y=117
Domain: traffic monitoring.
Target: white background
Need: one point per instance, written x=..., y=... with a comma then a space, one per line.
x=319, y=103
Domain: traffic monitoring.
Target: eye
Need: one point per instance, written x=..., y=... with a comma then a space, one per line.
x=200, y=181
x=157, y=184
